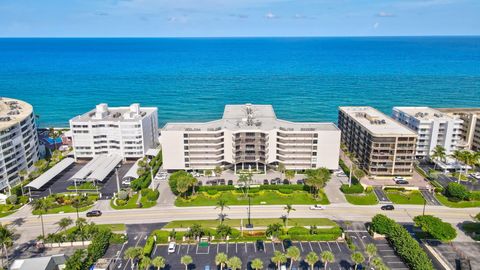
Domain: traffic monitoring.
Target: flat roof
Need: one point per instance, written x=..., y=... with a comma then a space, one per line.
x=132, y=113
x=39, y=263
x=376, y=122
x=98, y=168
x=460, y=110
x=13, y=111
x=132, y=172
x=47, y=176
x=250, y=117
x=424, y=113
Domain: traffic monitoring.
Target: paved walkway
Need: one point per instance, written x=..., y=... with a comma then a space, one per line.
x=332, y=189
x=166, y=198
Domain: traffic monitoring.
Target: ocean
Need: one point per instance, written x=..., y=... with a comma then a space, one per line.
x=191, y=79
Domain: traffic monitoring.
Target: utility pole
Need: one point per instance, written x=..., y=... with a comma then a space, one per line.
x=424, y=204
x=249, y=224
x=118, y=180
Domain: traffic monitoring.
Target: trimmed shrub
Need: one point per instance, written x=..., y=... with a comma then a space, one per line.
x=122, y=195
x=13, y=199
x=298, y=231
x=149, y=245
x=121, y=202
x=212, y=192
x=456, y=190
x=285, y=191
x=311, y=237
x=153, y=195
x=403, y=243
x=278, y=187
x=354, y=189
x=394, y=189
x=474, y=196
x=436, y=227
x=217, y=188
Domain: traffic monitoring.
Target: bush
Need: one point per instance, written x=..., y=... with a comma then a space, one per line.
x=149, y=245
x=311, y=237
x=298, y=231
x=399, y=189
x=436, y=227
x=13, y=199
x=456, y=190
x=121, y=202
x=278, y=187
x=285, y=191
x=474, y=196
x=122, y=195
x=403, y=243
x=354, y=189
x=217, y=188
x=118, y=238
x=153, y=195
x=212, y=192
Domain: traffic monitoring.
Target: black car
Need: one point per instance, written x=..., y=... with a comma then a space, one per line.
x=401, y=182
x=287, y=243
x=300, y=182
x=387, y=207
x=230, y=182
x=221, y=181
x=260, y=245
x=265, y=181
x=286, y=182
x=94, y=213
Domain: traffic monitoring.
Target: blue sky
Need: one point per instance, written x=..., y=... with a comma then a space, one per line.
x=219, y=18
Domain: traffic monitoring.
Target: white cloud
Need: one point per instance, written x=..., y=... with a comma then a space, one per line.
x=270, y=15
x=385, y=14
x=376, y=25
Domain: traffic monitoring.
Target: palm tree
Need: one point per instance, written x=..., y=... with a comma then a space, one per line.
x=357, y=258
x=42, y=206
x=281, y=168
x=371, y=251
x=54, y=134
x=316, y=179
x=289, y=175
x=274, y=230
x=23, y=174
x=460, y=156
x=438, y=154
x=6, y=240
x=288, y=208
x=311, y=259
x=327, y=257
x=218, y=170
x=158, y=262
x=221, y=259
x=257, y=264
x=145, y=262
x=278, y=258
x=186, y=260
x=133, y=253
x=64, y=223
x=293, y=253
x=222, y=204
x=234, y=263
x=378, y=264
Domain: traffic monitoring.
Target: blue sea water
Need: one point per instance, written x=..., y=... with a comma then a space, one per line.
x=191, y=79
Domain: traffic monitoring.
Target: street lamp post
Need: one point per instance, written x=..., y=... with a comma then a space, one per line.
x=249, y=224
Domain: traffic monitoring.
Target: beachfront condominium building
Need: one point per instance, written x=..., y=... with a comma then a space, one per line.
x=382, y=146
x=250, y=138
x=125, y=131
x=18, y=140
x=470, y=131
x=432, y=127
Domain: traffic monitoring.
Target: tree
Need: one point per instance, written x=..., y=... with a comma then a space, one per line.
x=23, y=174
x=223, y=231
x=145, y=262
x=77, y=260
x=221, y=260
x=281, y=168
x=246, y=179
x=218, y=170
x=274, y=230
x=289, y=175
x=461, y=156
x=181, y=181
x=257, y=264
x=293, y=253
x=456, y=190
x=234, y=263
x=436, y=227
x=438, y=153
x=378, y=264
x=64, y=223
x=311, y=259
x=186, y=260
x=371, y=251
x=208, y=173
x=279, y=258
x=327, y=257
x=357, y=258
x=316, y=179
x=42, y=206
x=222, y=204
x=158, y=262
x=40, y=164
x=6, y=240
x=54, y=134
x=288, y=208
x=133, y=253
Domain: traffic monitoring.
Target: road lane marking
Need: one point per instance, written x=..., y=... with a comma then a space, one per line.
x=328, y=244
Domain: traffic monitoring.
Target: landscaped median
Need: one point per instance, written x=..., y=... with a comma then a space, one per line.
x=403, y=196
x=457, y=196
x=125, y=200
x=64, y=203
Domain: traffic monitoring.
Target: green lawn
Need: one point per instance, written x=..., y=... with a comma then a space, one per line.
x=8, y=209
x=462, y=204
x=257, y=222
x=267, y=197
x=84, y=186
x=405, y=197
x=64, y=209
x=132, y=203
x=114, y=227
x=362, y=199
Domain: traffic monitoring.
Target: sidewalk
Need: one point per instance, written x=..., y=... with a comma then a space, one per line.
x=332, y=189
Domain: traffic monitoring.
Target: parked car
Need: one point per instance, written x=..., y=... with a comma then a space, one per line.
x=207, y=267
x=171, y=247
x=260, y=245
x=286, y=182
x=300, y=182
x=317, y=207
x=340, y=173
x=265, y=181
x=475, y=175
x=94, y=213
x=276, y=181
x=126, y=182
x=398, y=178
x=221, y=181
x=230, y=182
x=387, y=207
x=287, y=243
x=401, y=182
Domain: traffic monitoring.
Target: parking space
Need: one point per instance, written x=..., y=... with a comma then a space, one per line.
x=386, y=252
x=247, y=251
x=456, y=254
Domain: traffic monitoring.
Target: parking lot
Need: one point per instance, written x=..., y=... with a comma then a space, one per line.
x=247, y=251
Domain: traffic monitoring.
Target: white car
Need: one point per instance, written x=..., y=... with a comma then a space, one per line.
x=317, y=207
x=341, y=174
x=126, y=182
x=398, y=178
x=475, y=175
x=171, y=247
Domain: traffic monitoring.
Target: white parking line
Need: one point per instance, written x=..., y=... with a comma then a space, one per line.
x=188, y=248
x=328, y=244
x=246, y=247
x=218, y=246
x=301, y=246
x=319, y=246
x=179, y=247
x=311, y=248
x=227, y=247
x=339, y=248
x=361, y=240
x=196, y=251
x=273, y=246
x=236, y=247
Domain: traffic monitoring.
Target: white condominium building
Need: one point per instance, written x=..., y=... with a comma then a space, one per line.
x=250, y=137
x=126, y=131
x=470, y=128
x=432, y=127
x=18, y=140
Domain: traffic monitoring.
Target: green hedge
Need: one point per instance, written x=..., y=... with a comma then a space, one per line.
x=436, y=227
x=286, y=189
x=346, y=170
x=311, y=237
x=149, y=245
x=403, y=243
x=354, y=189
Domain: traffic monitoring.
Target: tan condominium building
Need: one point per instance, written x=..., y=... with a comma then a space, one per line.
x=470, y=131
x=250, y=137
x=382, y=146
